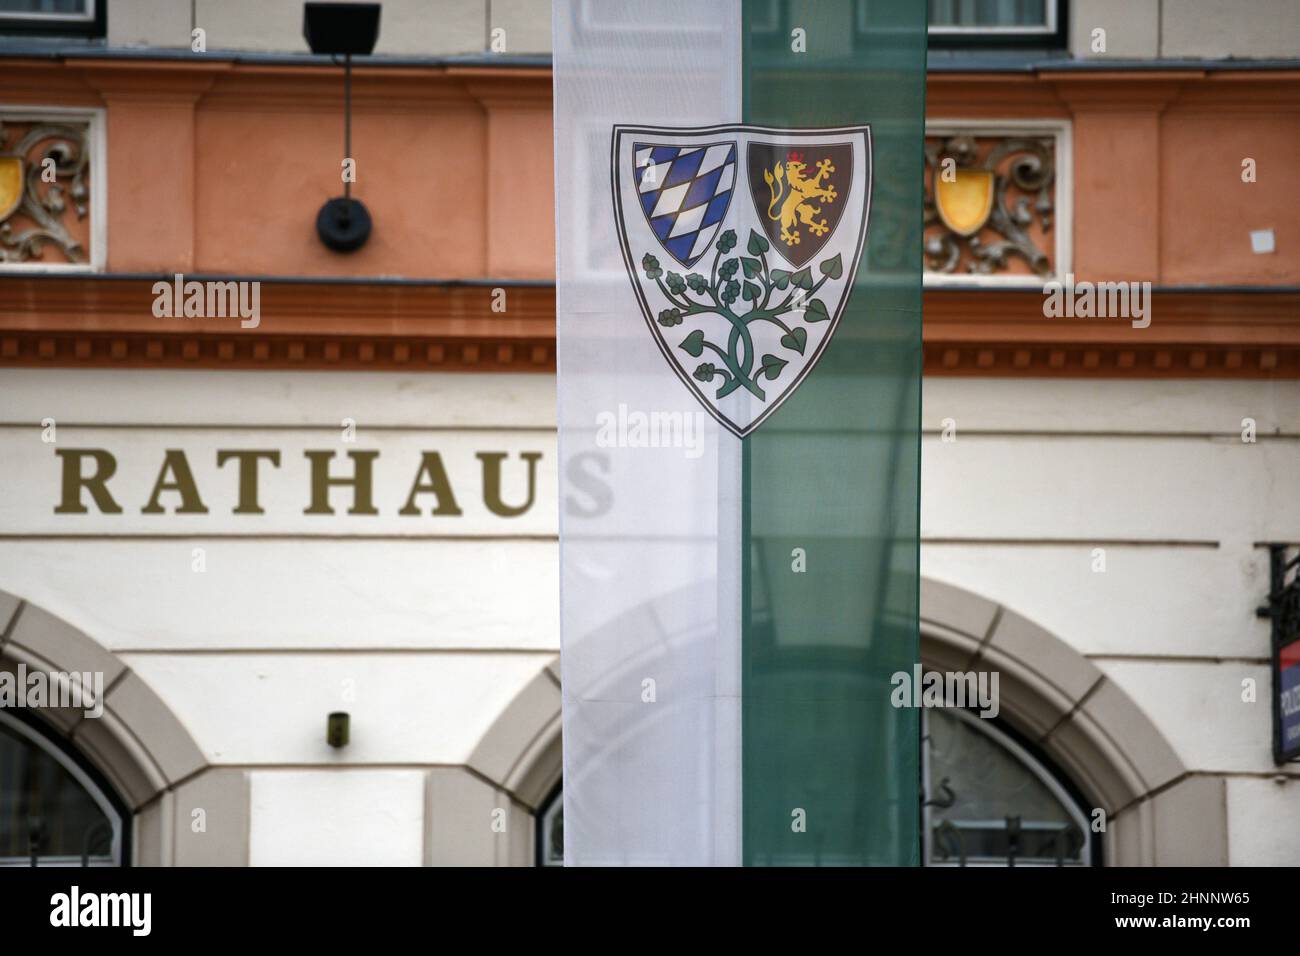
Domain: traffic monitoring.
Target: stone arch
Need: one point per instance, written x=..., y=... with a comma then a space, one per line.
x=514, y=766
x=138, y=745
x=521, y=752
x=1157, y=812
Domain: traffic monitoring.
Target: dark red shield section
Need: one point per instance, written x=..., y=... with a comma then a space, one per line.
x=799, y=191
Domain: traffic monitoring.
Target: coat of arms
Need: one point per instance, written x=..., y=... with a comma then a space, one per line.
x=753, y=279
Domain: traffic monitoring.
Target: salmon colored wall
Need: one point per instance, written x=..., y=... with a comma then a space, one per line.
x=265, y=166
x=1208, y=213
x=1158, y=188
x=221, y=167
x=522, y=167
x=1116, y=196
x=1158, y=194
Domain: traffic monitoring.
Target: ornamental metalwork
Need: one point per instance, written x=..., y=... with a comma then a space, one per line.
x=989, y=201
x=44, y=169
x=1283, y=610
x=987, y=801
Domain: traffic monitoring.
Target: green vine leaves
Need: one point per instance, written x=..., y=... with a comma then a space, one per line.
x=780, y=297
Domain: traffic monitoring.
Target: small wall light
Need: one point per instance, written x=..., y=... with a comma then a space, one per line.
x=338, y=729
x=343, y=29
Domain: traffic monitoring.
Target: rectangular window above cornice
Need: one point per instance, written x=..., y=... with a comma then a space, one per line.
x=65, y=18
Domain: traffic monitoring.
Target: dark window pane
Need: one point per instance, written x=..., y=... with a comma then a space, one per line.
x=56, y=8
x=991, y=14
x=43, y=805
x=990, y=803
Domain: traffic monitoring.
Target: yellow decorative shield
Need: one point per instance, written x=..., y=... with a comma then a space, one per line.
x=965, y=203
x=11, y=184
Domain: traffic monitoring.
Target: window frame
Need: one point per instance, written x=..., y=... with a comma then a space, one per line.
x=1036, y=763
x=32, y=729
x=1055, y=34
x=93, y=23
x=553, y=803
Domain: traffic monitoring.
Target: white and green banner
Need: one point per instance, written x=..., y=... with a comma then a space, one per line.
x=738, y=198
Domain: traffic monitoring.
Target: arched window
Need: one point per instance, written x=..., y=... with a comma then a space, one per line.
x=987, y=801
x=52, y=811
x=550, y=830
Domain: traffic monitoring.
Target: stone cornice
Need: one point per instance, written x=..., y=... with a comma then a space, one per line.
x=381, y=326
x=222, y=83
x=108, y=322
x=1053, y=93
x=1194, y=333
x=149, y=81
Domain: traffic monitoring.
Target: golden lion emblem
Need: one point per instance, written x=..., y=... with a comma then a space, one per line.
x=792, y=195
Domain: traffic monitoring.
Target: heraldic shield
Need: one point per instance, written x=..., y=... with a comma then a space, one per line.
x=742, y=284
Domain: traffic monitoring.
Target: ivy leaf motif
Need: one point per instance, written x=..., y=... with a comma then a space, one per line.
x=816, y=311
x=752, y=267
x=752, y=292
x=795, y=339
x=693, y=344
x=803, y=278
x=771, y=367
x=781, y=278
x=833, y=267
x=757, y=244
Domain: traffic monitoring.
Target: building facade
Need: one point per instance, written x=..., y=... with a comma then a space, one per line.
x=251, y=482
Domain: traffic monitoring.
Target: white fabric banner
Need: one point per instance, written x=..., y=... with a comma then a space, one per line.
x=650, y=481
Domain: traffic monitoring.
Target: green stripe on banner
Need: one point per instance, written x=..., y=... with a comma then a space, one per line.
x=832, y=479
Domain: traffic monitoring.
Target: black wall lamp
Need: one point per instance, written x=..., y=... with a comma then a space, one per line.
x=347, y=30
x=338, y=729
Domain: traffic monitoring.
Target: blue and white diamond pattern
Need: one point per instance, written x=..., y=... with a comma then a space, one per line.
x=685, y=193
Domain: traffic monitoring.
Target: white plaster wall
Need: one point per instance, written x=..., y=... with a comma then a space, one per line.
x=406, y=708
x=425, y=642
x=406, y=27
x=1132, y=29
x=1216, y=29
x=1141, y=29
x=1156, y=473
x=358, y=818
x=1208, y=29
x=376, y=595
x=1263, y=814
